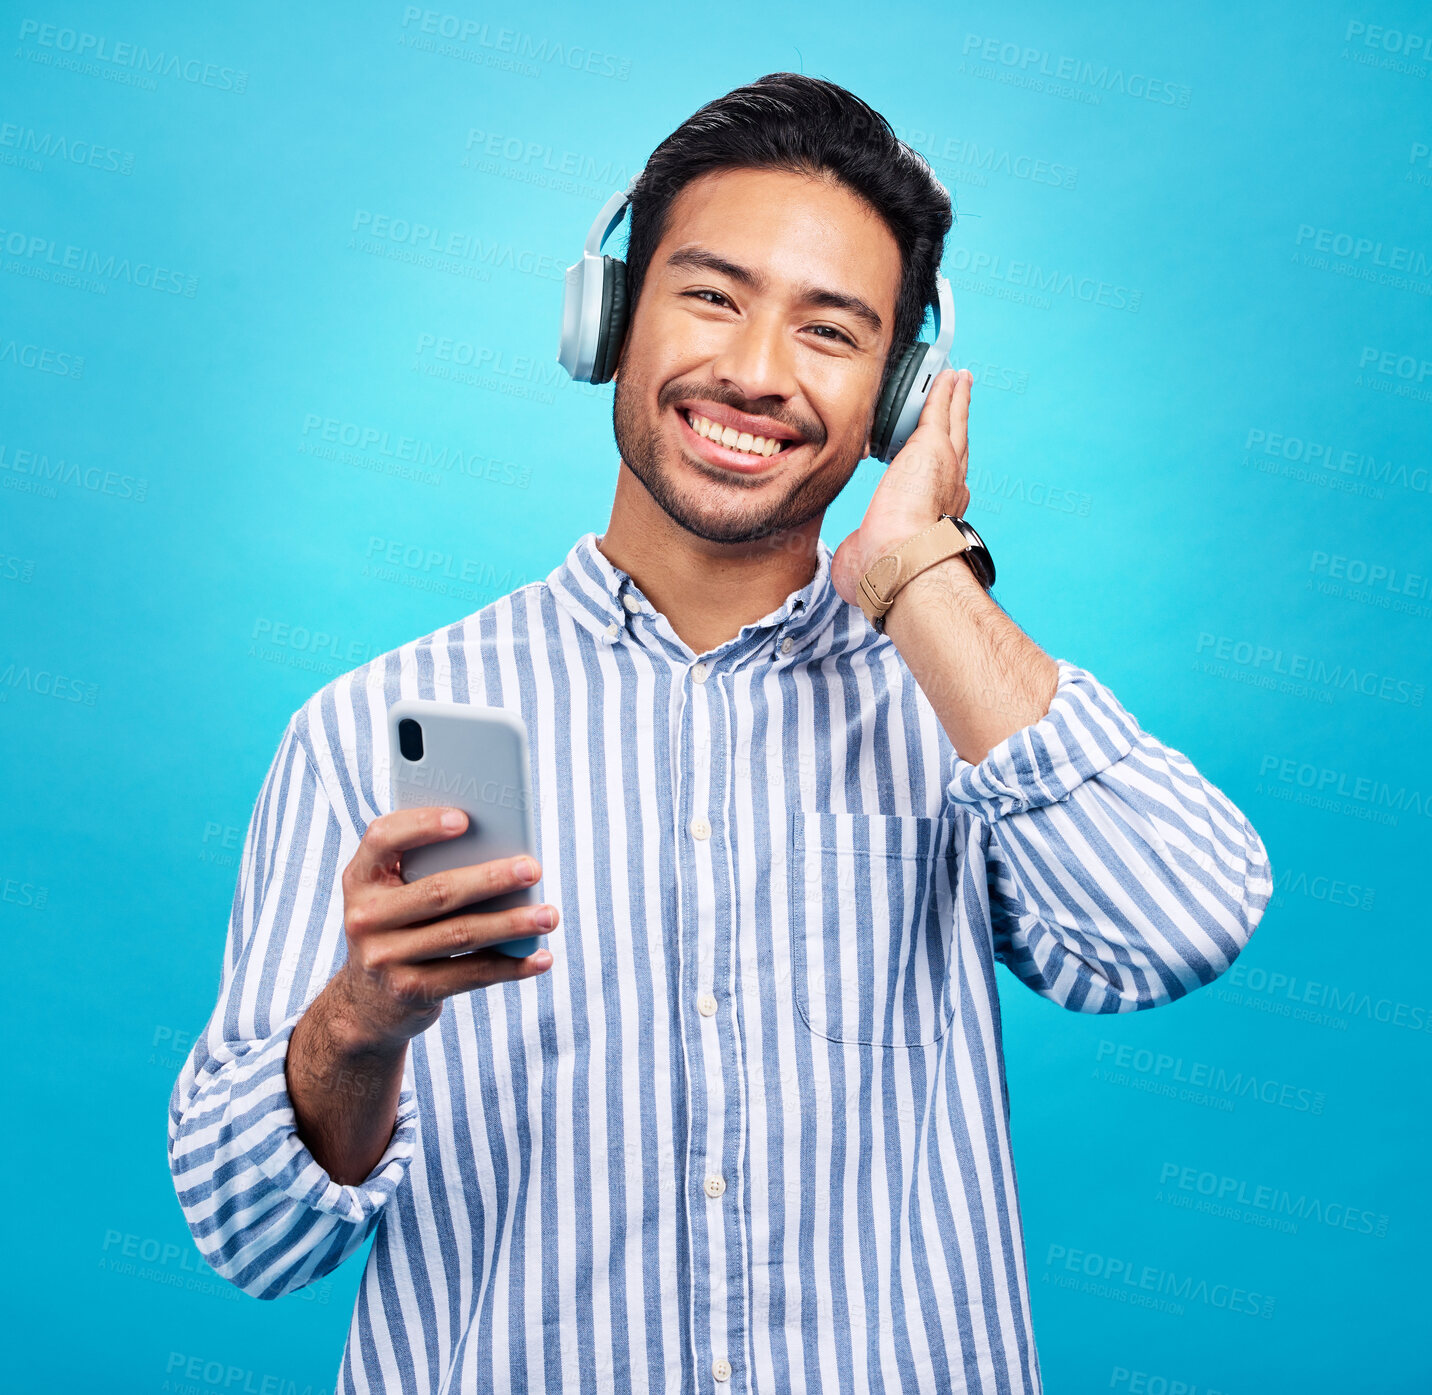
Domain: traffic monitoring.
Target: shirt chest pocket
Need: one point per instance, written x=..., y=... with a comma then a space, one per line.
x=872, y=912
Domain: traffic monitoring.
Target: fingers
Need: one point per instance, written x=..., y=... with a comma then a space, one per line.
x=402, y=937
x=412, y=990
x=959, y=418
x=391, y=834
x=437, y=895
x=936, y=412
x=482, y=970
x=459, y=934
x=412, y=969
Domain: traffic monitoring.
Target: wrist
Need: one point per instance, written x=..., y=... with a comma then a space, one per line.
x=351, y=1027
x=948, y=580
x=922, y=552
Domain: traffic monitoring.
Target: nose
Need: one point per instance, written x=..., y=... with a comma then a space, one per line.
x=756, y=357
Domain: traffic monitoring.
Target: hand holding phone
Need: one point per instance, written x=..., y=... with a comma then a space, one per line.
x=413, y=944
x=433, y=907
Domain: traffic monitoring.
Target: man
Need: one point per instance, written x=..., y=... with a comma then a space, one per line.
x=742, y=1124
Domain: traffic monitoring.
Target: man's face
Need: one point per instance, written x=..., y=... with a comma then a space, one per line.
x=767, y=308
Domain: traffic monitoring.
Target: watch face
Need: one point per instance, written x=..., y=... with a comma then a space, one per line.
x=981, y=563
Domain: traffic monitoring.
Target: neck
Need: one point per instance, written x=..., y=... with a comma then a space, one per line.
x=706, y=590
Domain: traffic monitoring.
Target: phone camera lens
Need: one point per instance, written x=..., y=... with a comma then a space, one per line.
x=410, y=739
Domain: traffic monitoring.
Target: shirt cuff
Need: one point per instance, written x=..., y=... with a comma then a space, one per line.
x=1085, y=731
x=284, y=1158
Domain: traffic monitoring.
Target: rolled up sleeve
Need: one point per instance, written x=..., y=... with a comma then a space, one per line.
x=263, y=1211
x=1119, y=878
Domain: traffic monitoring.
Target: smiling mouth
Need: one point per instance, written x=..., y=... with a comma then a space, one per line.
x=757, y=448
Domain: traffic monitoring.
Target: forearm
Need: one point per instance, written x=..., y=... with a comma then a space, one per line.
x=984, y=677
x=344, y=1090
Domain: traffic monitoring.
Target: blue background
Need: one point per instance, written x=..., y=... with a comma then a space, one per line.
x=208, y=513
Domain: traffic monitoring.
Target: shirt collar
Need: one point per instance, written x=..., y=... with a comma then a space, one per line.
x=608, y=602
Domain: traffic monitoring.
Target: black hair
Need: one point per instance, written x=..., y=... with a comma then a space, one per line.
x=806, y=125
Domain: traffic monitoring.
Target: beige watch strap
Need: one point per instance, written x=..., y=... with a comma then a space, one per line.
x=881, y=584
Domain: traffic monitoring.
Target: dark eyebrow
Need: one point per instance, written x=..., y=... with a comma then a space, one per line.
x=699, y=259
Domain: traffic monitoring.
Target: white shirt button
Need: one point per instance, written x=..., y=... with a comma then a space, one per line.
x=700, y=828
x=699, y=671
x=631, y=603
x=706, y=1005
x=787, y=644
x=721, y=1368
x=613, y=630
x=715, y=1186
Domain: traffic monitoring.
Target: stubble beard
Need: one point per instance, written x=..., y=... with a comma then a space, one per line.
x=716, y=512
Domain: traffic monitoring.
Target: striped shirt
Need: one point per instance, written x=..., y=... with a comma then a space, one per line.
x=750, y=1132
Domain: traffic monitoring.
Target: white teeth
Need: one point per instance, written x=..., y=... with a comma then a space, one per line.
x=736, y=440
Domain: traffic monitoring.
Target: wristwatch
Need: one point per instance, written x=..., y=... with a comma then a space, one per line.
x=949, y=537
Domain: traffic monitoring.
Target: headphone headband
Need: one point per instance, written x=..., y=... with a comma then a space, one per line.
x=611, y=214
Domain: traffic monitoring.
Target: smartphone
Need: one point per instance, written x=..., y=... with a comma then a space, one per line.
x=475, y=759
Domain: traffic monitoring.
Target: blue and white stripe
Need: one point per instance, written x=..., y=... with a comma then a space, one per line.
x=798, y=1007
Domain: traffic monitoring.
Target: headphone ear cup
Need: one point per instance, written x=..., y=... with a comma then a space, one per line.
x=887, y=413
x=611, y=328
